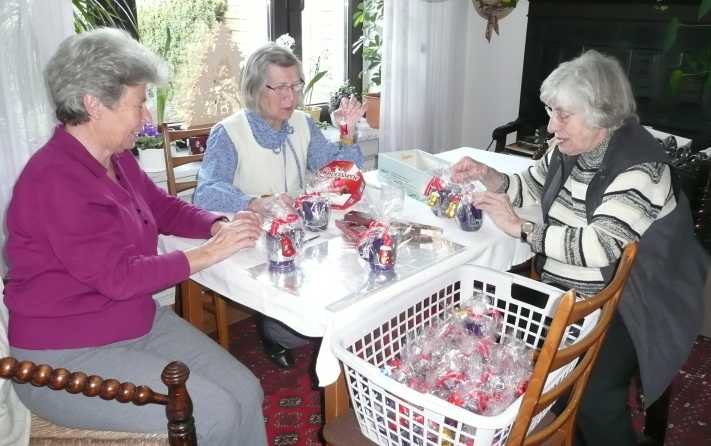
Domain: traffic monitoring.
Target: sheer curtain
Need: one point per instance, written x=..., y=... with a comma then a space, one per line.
x=424, y=61
x=30, y=31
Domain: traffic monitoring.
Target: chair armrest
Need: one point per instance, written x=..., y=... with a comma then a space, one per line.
x=499, y=134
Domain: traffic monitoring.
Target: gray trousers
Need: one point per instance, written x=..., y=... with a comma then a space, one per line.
x=227, y=397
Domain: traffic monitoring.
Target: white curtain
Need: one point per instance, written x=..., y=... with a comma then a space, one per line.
x=424, y=61
x=30, y=31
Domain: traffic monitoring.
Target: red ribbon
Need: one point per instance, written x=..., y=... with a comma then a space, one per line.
x=277, y=222
x=372, y=227
x=435, y=183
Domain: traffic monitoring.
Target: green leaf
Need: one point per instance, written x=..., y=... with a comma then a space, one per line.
x=704, y=8
x=91, y=14
x=317, y=77
x=675, y=81
x=168, y=40
x=670, y=34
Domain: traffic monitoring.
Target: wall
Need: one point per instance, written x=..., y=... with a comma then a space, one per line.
x=493, y=75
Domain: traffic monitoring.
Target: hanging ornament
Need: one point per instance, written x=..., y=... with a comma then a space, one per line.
x=493, y=11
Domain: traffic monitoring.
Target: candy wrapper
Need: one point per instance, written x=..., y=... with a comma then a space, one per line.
x=285, y=234
x=314, y=209
x=341, y=182
x=443, y=195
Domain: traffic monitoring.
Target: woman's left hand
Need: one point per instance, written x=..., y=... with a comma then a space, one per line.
x=499, y=208
x=350, y=111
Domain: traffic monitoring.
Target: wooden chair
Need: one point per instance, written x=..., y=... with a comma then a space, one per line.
x=179, y=410
x=552, y=357
x=344, y=429
x=190, y=297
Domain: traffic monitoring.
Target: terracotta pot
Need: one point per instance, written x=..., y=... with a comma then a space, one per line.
x=372, y=110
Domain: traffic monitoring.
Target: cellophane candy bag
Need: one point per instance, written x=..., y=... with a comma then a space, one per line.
x=285, y=234
x=443, y=194
x=458, y=359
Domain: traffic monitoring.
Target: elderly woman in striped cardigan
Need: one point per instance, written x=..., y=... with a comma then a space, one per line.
x=606, y=182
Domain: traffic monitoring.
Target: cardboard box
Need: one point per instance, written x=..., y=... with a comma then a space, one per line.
x=413, y=169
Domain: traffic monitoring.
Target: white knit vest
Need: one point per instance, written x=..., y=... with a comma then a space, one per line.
x=260, y=171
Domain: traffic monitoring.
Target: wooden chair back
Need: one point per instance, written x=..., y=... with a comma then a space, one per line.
x=172, y=161
x=178, y=405
x=552, y=357
x=192, y=298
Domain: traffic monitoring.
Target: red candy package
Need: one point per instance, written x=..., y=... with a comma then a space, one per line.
x=342, y=182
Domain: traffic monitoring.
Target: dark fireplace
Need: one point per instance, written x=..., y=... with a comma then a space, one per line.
x=634, y=32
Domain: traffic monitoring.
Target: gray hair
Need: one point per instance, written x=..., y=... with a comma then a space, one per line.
x=100, y=63
x=254, y=74
x=595, y=84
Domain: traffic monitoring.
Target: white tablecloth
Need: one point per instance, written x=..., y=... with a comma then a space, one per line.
x=310, y=314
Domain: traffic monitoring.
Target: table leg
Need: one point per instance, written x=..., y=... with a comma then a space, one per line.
x=336, y=398
x=191, y=295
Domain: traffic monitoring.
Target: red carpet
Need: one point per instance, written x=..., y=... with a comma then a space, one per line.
x=690, y=408
x=292, y=403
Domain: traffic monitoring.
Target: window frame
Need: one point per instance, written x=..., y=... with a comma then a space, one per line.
x=285, y=17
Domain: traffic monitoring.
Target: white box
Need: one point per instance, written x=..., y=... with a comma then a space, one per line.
x=413, y=169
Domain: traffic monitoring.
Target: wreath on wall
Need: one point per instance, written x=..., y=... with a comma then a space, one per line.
x=493, y=11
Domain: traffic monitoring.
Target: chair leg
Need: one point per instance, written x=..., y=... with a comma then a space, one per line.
x=191, y=296
x=178, y=302
x=223, y=329
x=655, y=422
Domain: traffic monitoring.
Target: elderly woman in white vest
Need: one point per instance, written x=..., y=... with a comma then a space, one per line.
x=265, y=150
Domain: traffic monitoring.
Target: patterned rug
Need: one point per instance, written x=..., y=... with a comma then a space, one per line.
x=292, y=400
x=292, y=403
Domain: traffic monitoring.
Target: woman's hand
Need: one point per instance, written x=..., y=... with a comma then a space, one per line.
x=241, y=233
x=467, y=169
x=264, y=205
x=349, y=111
x=499, y=208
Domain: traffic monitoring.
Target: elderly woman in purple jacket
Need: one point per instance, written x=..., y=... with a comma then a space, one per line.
x=83, y=226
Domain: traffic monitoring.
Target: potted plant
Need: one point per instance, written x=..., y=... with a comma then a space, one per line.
x=369, y=17
x=149, y=145
x=313, y=110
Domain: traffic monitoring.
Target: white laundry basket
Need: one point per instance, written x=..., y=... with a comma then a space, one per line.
x=390, y=413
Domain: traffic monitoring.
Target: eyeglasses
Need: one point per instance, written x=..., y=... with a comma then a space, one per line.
x=283, y=90
x=560, y=115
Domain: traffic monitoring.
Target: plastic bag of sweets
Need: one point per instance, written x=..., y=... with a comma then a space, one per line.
x=314, y=209
x=442, y=194
x=285, y=234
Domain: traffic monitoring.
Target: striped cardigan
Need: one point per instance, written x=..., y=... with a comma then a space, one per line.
x=575, y=250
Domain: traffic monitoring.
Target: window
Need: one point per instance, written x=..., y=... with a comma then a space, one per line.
x=323, y=45
x=321, y=28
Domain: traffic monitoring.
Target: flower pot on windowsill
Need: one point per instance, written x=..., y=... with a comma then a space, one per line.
x=372, y=110
x=314, y=111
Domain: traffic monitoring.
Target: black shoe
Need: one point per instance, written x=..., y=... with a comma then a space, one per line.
x=280, y=356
